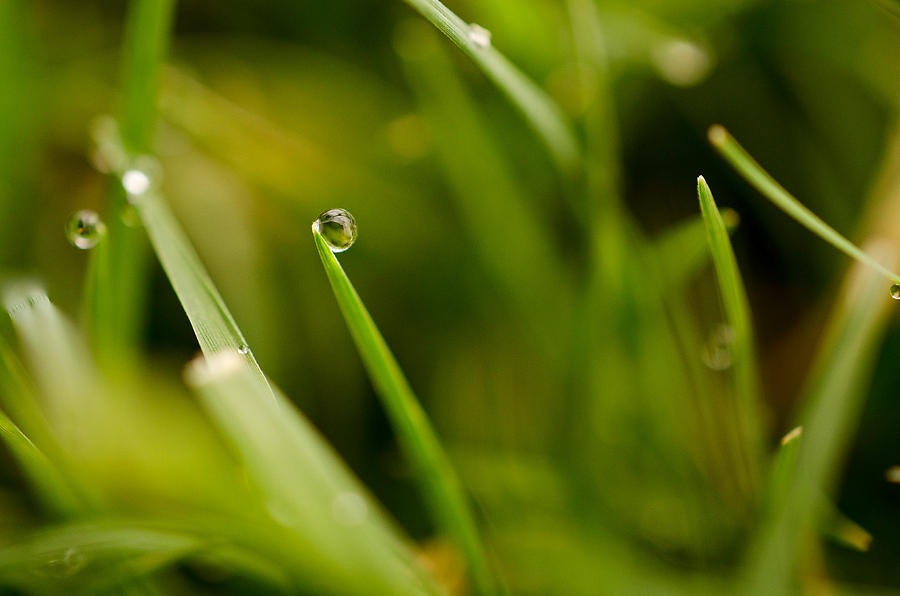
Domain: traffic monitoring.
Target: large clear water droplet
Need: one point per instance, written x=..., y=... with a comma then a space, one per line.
x=85, y=229
x=337, y=227
x=717, y=354
x=479, y=36
x=895, y=291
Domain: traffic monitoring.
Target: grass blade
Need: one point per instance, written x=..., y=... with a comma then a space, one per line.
x=341, y=540
x=684, y=249
x=809, y=465
x=741, y=161
x=737, y=314
x=539, y=110
x=439, y=482
x=121, y=260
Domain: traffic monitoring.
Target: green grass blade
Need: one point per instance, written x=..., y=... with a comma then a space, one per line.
x=209, y=316
x=120, y=270
x=741, y=161
x=539, y=110
x=682, y=251
x=805, y=467
x=439, y=482
x=340, y=539
x=737, y=314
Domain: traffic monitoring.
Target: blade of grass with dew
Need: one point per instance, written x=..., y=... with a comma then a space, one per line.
x=737, y=314
x=741, y=161
x=544, y=116
x=514, y=244
x=834, y=397
x=339, y=538
x=439, y=483
x=206, y=310
x=119, y=277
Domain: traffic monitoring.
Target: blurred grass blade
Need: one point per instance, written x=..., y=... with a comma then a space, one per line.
x=740, y=160
x=737, y=314
x=539, y=110
x=439, y=482
x=337, y=533
x=525, y=263
x=833, y=399
x=49, y=484
x=119, y=280
x=100, y=556
x=209, y=316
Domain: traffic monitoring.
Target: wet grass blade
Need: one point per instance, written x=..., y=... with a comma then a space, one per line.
x=737, y=314
x=209, y=316
x=809, y=465
x=338, y=536
x=741, y=161
x=438, y=480
x=539, y=110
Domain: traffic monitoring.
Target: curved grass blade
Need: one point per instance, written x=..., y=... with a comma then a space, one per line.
x=539, y=110
x=683, y=250
x=341, y=540
x=741, y=161
x=808, y=466
x=737, y=313
x=438, y=480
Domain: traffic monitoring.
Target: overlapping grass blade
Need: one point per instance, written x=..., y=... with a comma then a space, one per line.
x=439, y=483
x=740, y=160
x=539, y=110
x=119, y=278
x=737, y=314
x=834, y=397
x=514, y=244
x=337, y=535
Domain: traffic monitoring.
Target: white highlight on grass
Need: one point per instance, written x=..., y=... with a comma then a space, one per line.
x=206, y=369
x=479, y=36
x=792, y=435
x=135, y=182
x=349, y=508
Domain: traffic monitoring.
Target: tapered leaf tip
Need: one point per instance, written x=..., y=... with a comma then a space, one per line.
x=717, y=135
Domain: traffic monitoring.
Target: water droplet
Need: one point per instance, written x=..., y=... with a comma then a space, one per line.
x=85, y=229
x=479, y=36
x=349, y=508
x=681, y=62
x=142, y=174
x=244, y=349
x=337, y=227
x=895, y=291
x=716, y=354
x=68, y=563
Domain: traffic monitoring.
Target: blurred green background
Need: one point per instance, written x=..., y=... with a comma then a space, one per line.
x=271, y=113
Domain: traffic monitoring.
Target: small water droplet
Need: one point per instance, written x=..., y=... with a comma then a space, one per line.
x=69, y=563
x=337, y=227
x=895, y=291
x=349, y=508
x=244, y=349
x=479, y=36
x=716, y=354
x=135, y=182
x=85, y=229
